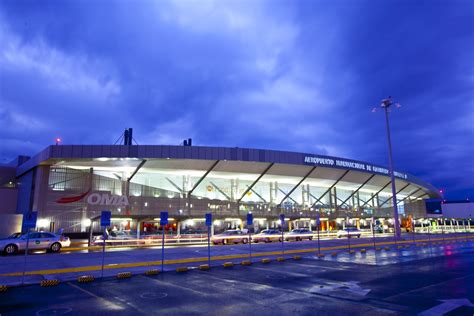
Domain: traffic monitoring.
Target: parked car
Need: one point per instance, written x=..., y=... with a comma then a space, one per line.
x=37, y=240
x=299, y=234
x=13, y=236
x=267, y=235
x=378, y=229
x=114, y=238
x=349, y=232
x=234, y=236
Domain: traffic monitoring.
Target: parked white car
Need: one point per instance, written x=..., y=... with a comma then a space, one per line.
x=232, y=236
x=37, y=240
x=349, y=232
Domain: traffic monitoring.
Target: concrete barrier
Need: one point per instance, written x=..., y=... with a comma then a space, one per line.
x=182, y=269
x=280, y=259
x=47, y=283
x=266, y=260
x=204, y=267
x=296, y=257
x=124, y=275
x=246, y=263
x=152, y=272
x=85, y=279
x=228, y=264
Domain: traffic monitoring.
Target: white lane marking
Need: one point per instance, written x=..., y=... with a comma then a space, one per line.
x=111, y=304
x=446, y=307
x=352, y=286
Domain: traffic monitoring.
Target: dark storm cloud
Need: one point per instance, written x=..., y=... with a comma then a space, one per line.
x=279, y=74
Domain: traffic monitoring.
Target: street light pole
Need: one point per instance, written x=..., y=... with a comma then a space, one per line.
x=386, y=103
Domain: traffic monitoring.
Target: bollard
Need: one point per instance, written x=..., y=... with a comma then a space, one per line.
x=228, y=264
x=85, y=279
x=296, y=257
x=266, y=260
x=334, y=254
x=363, y=251
x=204, y=267
x=46, y=283
x=280, y=259
x=152, y=272
x=124, y=275
x=321, y=255
x=246, y=263
x=182, y=269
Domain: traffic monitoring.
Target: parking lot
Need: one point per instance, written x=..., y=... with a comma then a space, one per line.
x=308, y=286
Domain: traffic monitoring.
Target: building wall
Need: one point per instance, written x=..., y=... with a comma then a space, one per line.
x=9, y=224
x=458, y=210
x=8, y=198
x=7, y=174
x=417, y=209
x=25, y=185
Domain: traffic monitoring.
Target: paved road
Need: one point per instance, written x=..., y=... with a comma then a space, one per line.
x=305, y=287
x=52, y=262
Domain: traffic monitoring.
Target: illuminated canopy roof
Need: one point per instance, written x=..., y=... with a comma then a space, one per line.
x=247, y=165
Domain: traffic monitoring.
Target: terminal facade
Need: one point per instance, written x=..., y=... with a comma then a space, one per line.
x=69, y=186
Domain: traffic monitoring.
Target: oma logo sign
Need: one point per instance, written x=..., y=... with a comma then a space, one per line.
x=107, y=199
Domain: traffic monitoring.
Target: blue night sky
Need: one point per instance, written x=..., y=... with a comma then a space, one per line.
x=289, y=75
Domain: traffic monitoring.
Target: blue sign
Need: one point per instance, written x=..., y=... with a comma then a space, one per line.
x=29, y=220
x=208, y=219
x=282, y=218
x=163, y=218
x=105, y=218
x=249, y=219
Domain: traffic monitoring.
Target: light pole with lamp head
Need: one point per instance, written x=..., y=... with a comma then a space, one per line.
x=386, y=104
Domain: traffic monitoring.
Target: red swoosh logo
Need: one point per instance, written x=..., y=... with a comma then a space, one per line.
x=72, y=199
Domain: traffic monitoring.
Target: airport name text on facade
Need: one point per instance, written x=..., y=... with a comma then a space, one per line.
x=350, y=164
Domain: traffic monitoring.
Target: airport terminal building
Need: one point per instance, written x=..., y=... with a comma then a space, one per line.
x=69, y=186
